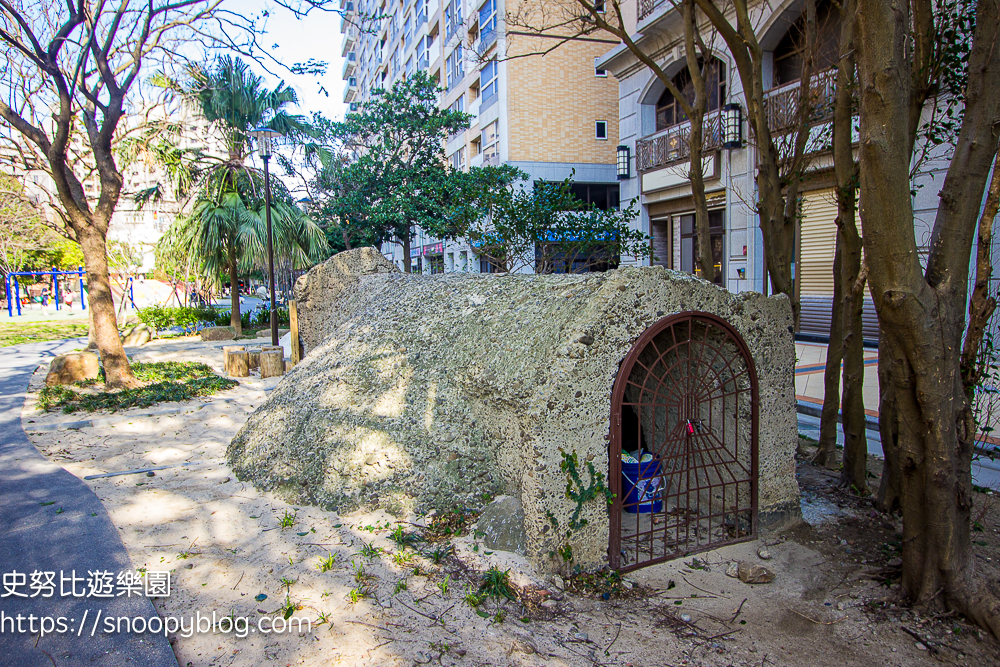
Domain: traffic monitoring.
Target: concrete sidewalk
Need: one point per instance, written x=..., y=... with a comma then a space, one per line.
x=809, y=367
x=50, y=521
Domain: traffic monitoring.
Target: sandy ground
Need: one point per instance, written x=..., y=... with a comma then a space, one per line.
x=833, y=602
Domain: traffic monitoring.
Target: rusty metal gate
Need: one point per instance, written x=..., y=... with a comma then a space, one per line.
x=684, y=408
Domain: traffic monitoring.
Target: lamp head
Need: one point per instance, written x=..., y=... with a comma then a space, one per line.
x=265, y=138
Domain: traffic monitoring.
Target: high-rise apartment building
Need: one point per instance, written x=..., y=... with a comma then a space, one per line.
x=551, y=116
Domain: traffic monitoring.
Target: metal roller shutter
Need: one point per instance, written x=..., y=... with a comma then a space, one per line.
x=817, y=244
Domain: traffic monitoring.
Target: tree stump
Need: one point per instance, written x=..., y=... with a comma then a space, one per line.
x=254, y=358
x=272, y=363
x=239, y=364
x=226, y=351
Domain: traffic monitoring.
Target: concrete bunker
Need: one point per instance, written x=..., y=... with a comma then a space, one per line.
x=421, y=392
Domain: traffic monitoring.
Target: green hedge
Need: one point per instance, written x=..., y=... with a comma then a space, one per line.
x=161, y=317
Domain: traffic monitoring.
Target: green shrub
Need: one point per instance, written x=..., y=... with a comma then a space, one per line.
x=161, y=317
x=158, y=317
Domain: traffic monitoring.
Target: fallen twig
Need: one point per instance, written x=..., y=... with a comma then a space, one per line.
x=813, y=620
x=718, y=595
x=738, y=610
x=608, y=647
x=136, y=471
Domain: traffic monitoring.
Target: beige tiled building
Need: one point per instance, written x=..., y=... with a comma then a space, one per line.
x=551, y=116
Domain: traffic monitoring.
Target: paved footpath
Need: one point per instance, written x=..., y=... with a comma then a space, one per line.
x=50, y=521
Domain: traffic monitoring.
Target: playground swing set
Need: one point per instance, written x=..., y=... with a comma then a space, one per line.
x=54, y=274
x=12, y=281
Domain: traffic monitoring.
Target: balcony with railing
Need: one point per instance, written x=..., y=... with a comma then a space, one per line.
x=781, y=107
x=673, y=145
x=350, y=63
x=647, y=7
x=350, y=40
x=350, y=89
x=782, y=104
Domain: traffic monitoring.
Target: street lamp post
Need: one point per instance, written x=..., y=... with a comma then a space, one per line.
x=265, y=137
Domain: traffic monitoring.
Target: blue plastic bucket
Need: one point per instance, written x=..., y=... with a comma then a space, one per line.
x=641, y=484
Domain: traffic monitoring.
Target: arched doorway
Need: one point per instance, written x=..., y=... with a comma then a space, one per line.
x=685, y=401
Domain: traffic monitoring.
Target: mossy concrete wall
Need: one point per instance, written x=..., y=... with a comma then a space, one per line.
x=422, y=392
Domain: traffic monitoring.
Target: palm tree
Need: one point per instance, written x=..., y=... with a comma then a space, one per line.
x=225, y=230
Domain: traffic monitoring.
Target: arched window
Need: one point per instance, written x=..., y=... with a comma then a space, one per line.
x=790, y=52
x=669, y=111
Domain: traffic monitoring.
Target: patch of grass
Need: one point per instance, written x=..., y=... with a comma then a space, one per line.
x=440, y=553
x=404, y=538
x=400, y=586
x=69, y=400
x=35, y=332
x=287, y=520
x=358, y=593
x=161, y=371
x=326, y=564
x=370, y=551
x=402, y=558
x=443, y=585
x=496, y=584
x=474, y=599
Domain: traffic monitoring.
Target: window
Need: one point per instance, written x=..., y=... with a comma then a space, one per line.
x=409, y=66
x=599, y=6
x=455, y=67
x=452, y=17
x=420, y=10
x=689, y=241
x=487, y=24
x=488, y=84
x=408, y=30
x=601, y=129
x=788, y=53
x=424, y=53
x=600, y=72
x=458, y=159
x=490, y=140
x=459, y=107
x=601, y=196
x=669, y=111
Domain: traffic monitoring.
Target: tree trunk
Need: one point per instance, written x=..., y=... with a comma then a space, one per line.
x=698, y=67
x=981, y=302
x=854, y=473
x=91, y=331
x=234, y=294
x=826, y=453
x=117, y=373
x=922, y=310
x=406, y=251
x=848, y=278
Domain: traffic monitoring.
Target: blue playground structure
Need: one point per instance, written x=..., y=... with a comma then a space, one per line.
x=12, y=278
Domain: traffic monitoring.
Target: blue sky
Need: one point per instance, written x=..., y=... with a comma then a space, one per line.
x=292, y=40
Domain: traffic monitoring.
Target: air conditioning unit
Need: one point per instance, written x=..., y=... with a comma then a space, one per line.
x=354, y=106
